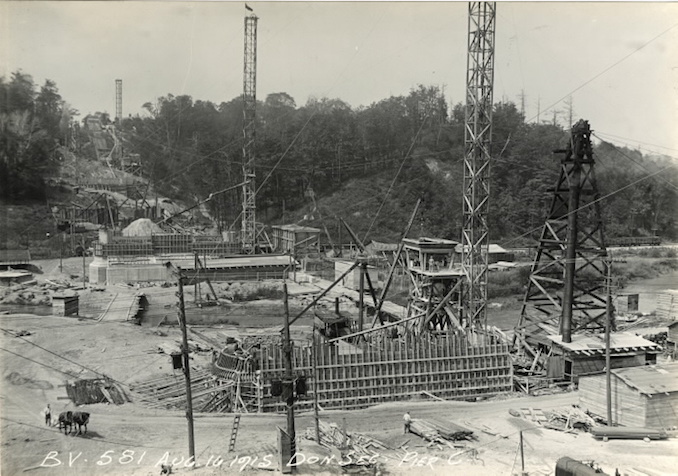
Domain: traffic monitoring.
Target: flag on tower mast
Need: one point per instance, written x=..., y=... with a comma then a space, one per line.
x=248, y=8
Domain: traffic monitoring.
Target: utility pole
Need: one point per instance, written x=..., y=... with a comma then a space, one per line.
x=61, y=253
x=186, y=364
x=315, y=388
x=361, y=303
x=522, y=102
x=288, y=382
x=608, y=328
x=522, y=455
x=84, y=269
x=608, y=377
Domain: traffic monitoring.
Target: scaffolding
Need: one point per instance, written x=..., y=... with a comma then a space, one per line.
x=435, y=284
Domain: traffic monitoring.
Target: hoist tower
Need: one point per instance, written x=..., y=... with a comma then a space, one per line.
x=565, y=294
x=477, y=137
x=248, y=229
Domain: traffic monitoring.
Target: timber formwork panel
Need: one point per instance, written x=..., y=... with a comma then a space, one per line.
x=367, y=374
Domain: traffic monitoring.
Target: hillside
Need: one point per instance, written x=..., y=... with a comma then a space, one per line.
x=78, y=187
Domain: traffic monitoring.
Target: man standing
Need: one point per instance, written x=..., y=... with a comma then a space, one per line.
x=408, y=421
x=48, y=415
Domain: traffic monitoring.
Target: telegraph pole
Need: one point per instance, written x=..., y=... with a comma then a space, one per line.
x=315, y=388
x=608, y=327
x=84, y=268
x=187, y=368
x=288, y=382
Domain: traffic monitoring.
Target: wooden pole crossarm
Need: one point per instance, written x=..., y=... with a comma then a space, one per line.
x=336, y=281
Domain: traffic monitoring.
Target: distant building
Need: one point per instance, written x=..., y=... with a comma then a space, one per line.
x=295, y=239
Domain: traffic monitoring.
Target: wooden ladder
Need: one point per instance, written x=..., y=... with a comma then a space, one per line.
x=234, y=432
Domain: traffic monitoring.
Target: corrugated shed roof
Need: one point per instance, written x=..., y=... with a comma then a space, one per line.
x=589, y=344
x=491, y=249
x=379, y=246
x=651, y=379
x=297, y=228
x=15, y=255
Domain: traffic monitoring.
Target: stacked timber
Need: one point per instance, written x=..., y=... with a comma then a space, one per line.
x=170, y=392
x=628, y=433
x=572, y=419
x=441, y=434
x=359, y=447
x=99, y=390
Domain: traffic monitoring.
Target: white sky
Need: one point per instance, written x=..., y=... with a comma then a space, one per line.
x=360, y=52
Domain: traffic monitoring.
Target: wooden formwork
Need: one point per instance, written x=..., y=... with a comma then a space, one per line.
x=450, y=366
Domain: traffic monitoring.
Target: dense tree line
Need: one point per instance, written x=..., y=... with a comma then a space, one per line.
x=368, y=165
x=409, y=146
x=33, y=123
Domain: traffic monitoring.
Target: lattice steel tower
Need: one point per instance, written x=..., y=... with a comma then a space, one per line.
x=565, y=293
x=118, y=101
x=248, y=230
x=478, y=136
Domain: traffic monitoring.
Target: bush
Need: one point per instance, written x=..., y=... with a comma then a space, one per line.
x=251, y=291
x=507, y=283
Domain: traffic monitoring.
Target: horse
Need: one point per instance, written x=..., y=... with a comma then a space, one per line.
x=66, y=420
x=80, y=419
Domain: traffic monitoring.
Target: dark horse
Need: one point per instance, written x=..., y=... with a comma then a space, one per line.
x=81, y=419
x=66, y=420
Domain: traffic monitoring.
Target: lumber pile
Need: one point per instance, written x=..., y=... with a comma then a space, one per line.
x=361, y=448
x=568, y=420
x=628, y=433
x=98, y=390
x=441, y=434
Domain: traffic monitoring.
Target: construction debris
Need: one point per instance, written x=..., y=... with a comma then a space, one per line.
x=562, y=420
x=361, y=448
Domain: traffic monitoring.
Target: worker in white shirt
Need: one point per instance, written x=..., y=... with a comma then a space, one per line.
x=408, y=421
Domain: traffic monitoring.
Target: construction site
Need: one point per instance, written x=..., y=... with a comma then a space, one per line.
x=285, y=351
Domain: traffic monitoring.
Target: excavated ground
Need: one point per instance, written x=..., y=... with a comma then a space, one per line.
x=134, y=440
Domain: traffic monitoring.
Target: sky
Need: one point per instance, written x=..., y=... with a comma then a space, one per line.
x=617, y=61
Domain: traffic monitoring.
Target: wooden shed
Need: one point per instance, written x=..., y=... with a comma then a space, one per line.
x=645, y=396
x=585, y=355
x=352, y=279
x=65, y=305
